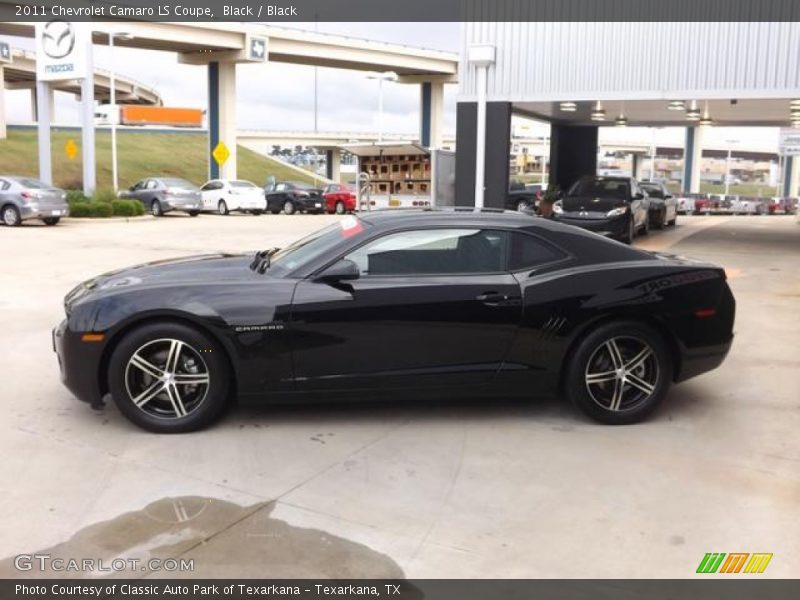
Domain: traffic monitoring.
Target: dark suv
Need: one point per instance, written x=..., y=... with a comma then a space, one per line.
x=612, y=206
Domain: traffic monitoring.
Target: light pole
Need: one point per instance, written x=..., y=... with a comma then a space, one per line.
x=122, y=35
x=728, y=165
x=381, y=77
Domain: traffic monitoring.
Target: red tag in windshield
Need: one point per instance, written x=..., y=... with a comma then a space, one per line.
x=351, y=226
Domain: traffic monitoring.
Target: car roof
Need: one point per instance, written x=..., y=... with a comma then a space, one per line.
x=466, y=215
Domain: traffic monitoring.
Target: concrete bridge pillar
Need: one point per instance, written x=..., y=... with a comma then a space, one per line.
x=333, y=164
x=222, y=117
x=431, y=113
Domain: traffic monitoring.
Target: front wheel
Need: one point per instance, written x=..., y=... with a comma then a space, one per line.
x=222, y=208
x=630, y=234
x=168, y=378
x=340, y=210
x=619, y=373
x=155, y=209
x=288, y=207
x=51, y=220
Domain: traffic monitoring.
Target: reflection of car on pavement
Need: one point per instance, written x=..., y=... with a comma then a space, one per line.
x=161, y=195
x=224, y=196
x=339, y=198
x=23, y=198
x=292, y=197
x=612, y=206
x=663, y=208
x=418, y=303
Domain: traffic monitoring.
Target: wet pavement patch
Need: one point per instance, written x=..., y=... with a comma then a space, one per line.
x=222, y=539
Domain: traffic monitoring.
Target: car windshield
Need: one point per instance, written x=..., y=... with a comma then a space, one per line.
x=242, y=184
x=308, y=248
x=600, y=188
x=299, y=185
x=32, y=184
x=653, y=191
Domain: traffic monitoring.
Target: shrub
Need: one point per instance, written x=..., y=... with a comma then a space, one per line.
x=75, y=196
x=106, y=195
x=80, y=209
x=127, y=208
x=100, y=209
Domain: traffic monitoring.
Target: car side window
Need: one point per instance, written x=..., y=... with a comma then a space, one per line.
x=528, y=252
x=280, y=187
x=151, y=184
x=4, y=185
x=433, y=252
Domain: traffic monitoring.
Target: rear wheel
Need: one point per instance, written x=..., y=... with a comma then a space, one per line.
x=169, y=378
x=194, y=213
x=288, y=207
x=340, y=208
x=11, y=216
x=619, y=373
x=155, y=209
x=222, y=208
x=51, y=220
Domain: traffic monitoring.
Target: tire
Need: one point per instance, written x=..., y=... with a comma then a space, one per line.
x=198, y=405
x=662, y=219
x=673, y=221
x=628, y=237
x=194, y=213
x=610, y=397
x=339, y=209
x=222, y=208
x=288, y=207
x=258, y=213
x=275, y=212
x=51, y=220
x=155, y=209
x=522, y=205
x=11, y=216
x=645, y=229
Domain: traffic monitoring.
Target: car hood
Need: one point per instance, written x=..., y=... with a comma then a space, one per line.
x=179, y=272
x=589, y=204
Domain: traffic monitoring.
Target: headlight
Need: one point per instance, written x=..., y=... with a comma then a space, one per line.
x=615, y=212
x=557, y=208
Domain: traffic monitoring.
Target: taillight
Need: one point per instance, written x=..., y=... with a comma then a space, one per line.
x=702, y=313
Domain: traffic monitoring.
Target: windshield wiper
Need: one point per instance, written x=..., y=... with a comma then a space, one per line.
x=262, y=259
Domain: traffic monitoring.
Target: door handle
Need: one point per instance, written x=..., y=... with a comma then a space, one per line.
x=491, y=297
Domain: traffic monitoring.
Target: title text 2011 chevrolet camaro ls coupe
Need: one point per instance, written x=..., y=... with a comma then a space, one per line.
x=402, y=304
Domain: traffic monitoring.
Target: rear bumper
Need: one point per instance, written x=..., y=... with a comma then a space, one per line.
x=79, y=363
x=701, y=360
x=40, y=212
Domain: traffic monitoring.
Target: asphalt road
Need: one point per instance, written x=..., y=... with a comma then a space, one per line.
x=451, y=489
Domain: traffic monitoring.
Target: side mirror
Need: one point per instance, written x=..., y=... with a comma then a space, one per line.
x=342, y=270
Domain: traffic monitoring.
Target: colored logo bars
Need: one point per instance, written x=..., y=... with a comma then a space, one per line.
x=736, y=562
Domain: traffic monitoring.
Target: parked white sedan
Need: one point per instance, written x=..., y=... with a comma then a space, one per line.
x=223, y=196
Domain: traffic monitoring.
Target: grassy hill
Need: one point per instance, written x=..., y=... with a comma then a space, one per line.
x=139, y=154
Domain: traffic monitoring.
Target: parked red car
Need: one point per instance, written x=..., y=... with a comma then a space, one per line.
x=339, y=198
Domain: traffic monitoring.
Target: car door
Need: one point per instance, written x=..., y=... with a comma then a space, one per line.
x=431, y=307
x=209, y=195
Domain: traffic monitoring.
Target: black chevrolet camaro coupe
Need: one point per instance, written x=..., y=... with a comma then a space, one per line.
x=398, y=304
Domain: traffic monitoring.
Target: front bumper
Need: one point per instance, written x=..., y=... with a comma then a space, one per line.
x=34, y=211
x=613, y=227
x=79, y=363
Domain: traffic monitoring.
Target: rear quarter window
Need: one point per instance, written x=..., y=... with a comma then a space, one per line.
x=527, y=252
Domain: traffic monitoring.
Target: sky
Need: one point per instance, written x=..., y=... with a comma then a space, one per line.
x=275, y=96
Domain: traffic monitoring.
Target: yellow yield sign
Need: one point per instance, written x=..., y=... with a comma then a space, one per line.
x=71, y=148
x=221, y=153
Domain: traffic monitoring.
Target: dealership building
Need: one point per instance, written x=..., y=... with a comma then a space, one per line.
x=579, y=76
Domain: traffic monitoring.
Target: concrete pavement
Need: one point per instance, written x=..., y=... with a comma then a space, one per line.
x=456, y=489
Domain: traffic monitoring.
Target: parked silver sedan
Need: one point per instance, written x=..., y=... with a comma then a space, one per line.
x=23, y=198
x=164, y=194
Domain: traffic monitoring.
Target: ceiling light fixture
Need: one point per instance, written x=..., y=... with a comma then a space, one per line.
x=598, y=114
x=676, y=105
x=568, y=106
